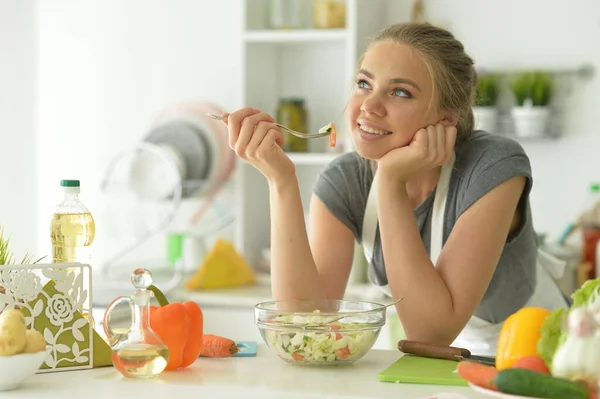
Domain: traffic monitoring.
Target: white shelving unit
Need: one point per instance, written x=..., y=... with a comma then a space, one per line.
x=317, y=65
x=296, y=36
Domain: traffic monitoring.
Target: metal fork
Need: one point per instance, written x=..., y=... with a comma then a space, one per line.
x=364, y=311
x=336, y=318
x=295, y=133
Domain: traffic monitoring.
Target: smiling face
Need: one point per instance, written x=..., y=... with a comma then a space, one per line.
x=392, y=99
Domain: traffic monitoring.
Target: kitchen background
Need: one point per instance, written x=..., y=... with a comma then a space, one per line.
x=82, y=80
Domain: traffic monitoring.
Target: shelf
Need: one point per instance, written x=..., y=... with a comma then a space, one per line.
x=504, y=124
x=295, y=36
x=278, y=63
x=312, y=158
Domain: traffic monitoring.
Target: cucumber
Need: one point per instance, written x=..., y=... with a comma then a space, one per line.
x=535, y=384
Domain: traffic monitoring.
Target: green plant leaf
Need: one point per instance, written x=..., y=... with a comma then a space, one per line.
x=534, y=85
x=7, y=256
x=487, y=90
x=541, y=90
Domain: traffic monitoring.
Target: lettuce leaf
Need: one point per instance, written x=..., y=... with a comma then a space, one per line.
x=587, y=294
x=552, y=336
x=552, y=332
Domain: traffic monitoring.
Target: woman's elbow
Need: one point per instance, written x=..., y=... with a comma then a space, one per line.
x=440, y=338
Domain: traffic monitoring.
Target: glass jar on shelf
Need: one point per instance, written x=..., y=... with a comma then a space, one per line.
x=329, y=14
x=287, y=14
x=292, y=113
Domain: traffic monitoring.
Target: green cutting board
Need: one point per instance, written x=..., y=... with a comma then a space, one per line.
x=422, y=370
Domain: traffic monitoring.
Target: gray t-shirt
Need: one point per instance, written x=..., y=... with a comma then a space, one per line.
x=483, y=161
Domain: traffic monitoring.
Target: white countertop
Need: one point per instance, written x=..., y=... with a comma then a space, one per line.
x=262, y=377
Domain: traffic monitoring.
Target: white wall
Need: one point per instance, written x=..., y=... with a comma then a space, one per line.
x=107, y=67
x=538, y=33
x=17, y=161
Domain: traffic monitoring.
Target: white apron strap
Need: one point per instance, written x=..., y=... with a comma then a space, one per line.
x=371, y=221
x=437, y=214
x=369, y=232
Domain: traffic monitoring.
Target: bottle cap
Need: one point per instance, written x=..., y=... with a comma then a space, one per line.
x=69, y=183
x=292, y=100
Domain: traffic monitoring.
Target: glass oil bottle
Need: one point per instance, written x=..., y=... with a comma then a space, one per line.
x=72, y=232
x=138, y=352
x=72, y=229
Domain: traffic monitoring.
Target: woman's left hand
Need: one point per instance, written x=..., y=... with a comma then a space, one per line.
x=432, y=146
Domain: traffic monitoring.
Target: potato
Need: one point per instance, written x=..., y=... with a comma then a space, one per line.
x=7, y=315
x=34, y=342
x=12, y=332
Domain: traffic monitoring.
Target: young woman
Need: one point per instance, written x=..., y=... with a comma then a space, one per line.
x=442, y=210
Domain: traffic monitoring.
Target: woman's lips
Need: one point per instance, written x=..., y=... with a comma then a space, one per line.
x=372, y=127
x=364, y=135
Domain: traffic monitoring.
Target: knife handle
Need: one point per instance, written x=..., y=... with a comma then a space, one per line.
x=432, y=350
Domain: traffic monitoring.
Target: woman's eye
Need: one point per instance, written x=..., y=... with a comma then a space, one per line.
x=362, y=84
x=401, y=93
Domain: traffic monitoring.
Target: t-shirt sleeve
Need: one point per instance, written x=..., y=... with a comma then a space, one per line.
x=338, y=186
x=488, y=164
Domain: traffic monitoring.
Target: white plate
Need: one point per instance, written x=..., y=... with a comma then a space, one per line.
x=496, y=394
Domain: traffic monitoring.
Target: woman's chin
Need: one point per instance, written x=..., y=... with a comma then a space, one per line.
x=370, y=146
x=368, y=151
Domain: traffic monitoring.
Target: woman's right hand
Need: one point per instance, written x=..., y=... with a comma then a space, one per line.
x=255, y=138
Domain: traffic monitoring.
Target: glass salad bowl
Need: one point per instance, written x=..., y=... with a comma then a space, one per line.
x=320, y=332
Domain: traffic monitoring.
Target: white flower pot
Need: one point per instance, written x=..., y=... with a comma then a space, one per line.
x=486, y=118
x=530, y=121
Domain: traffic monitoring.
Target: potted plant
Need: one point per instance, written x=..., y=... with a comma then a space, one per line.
x=485, y=111
x=533, y=92
x=7, y=256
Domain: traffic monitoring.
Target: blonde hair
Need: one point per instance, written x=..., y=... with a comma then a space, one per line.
x=451, y=69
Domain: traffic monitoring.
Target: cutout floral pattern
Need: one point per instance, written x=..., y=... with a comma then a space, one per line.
x=53, y=299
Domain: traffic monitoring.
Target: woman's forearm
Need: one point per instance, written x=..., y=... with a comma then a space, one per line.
x=293, y=271
x=427, y=312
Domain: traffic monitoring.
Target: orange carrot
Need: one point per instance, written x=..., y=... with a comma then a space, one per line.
x=216, y=346
x=478, y=374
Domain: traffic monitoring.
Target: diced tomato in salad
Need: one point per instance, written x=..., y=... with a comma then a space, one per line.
x=329, y=128
x=332, y=137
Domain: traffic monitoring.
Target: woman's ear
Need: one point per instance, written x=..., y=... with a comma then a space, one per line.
x=449, y=119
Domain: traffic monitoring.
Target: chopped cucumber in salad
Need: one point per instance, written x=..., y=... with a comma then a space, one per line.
x=327, y=128
x=317, y=346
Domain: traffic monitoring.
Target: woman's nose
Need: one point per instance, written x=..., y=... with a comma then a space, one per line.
x=373, y=105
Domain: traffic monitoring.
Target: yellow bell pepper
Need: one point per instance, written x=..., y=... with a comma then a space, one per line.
x=519, y=336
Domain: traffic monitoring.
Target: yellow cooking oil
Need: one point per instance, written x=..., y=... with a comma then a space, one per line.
x=72, y=235
x=140, y=360
x=72, y=232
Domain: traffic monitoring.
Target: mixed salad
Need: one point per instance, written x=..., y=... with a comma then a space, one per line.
x=335, y=342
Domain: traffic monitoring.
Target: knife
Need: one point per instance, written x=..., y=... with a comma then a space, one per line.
x=441, y=352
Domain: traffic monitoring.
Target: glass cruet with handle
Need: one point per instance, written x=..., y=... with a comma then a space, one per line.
x=137, y=351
